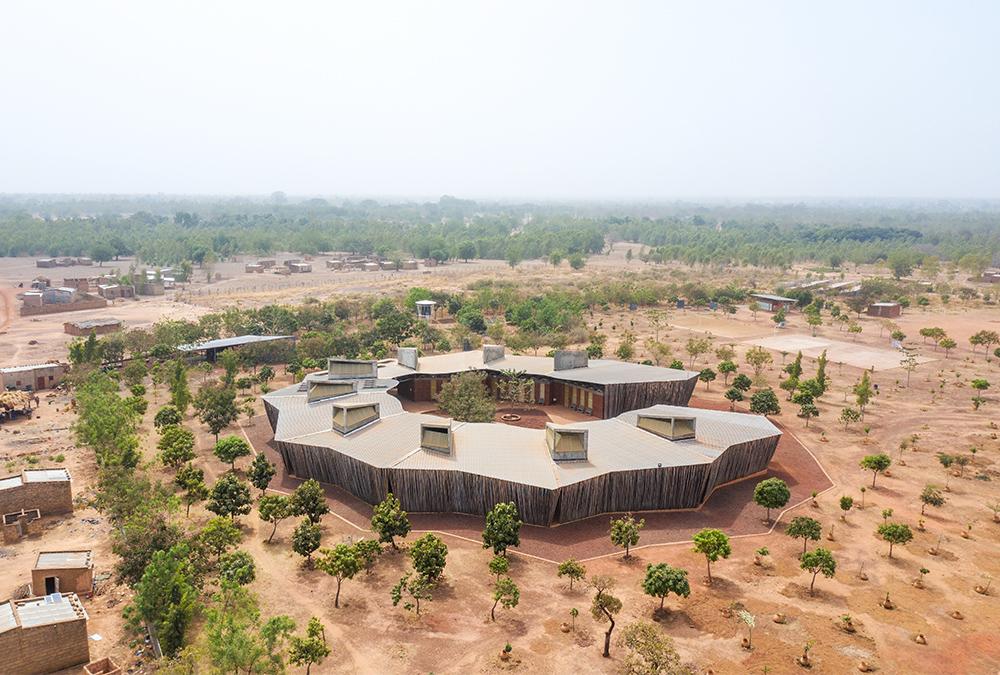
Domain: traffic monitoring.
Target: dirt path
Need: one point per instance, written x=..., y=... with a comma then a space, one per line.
x=8, y=298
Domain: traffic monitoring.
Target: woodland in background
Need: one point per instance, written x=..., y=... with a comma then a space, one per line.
x=165, y=230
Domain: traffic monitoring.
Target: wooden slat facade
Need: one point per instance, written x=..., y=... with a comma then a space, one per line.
x=446, y=491
x=619, y=398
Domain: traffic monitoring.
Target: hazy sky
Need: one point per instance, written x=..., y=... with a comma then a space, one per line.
x=505, y=99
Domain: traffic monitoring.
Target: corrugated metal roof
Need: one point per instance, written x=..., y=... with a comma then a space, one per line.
x=55, y=608
x=231, y=342
x=776, y=298
x=60, y=560
x=513, y=453
x=45, y=475
x=598, y=371
x=97, y=323
x=10, y=482
x=7, y=619
x=21, y=369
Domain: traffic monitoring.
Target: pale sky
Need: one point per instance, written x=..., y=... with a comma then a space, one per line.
x=538, y=99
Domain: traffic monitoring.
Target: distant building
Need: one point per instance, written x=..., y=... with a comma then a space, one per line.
x=63, y=572
x=96, y=326
x=251, y=268
x=425, y=309
x=300, y=267
x=888, y=310
x=991, y=276
x=334, y=264
x=115, y=291
x=48, y=490
x=773, y=303
x=47, y=262
x=59, y=296
x=43, y=634
x=32, y=377
x=213, y=347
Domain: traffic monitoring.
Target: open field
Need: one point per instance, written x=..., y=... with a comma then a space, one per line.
x=454, y=634
x=848, y=353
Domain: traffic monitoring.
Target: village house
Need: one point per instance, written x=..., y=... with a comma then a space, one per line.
x=32, y=377
x=43, y=634
x=63, y=572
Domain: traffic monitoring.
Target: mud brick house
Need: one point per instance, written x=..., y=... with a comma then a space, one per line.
x=887, y=310
x=48, y=490
x=95, y=326
x=32, y=377
x=633, y=445
x=63, y=572
x=43, y=634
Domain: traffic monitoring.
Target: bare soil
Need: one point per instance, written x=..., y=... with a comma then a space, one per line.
x=454, y=634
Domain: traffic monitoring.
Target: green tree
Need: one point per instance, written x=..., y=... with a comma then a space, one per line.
x=758, y=358
x=625, y=532
x=742, y=383
x=499, y=566
x=216, y=407
x=219, y=535
x=713, y=544
x=662, y=579
x=340, y=562
x=464, y=397
x=734, y=396
x=230, y=361
x=273, y=509
x=177, y=382
x=817, y=561
x=416, y=587
x=805, y=528
x=238, y=568
x=305, y=539
x=428, y=554
x=931, y=496
x=895, y=533
x=794, y=369
x=727, y=368
x=572, y=569
x=850, y=416
x=261, y=472
x=176, y=446
x=134, y=372
x=230, y=497
x=605, y=607
x=506, y=593
x=707, y=375
x=771, y=493
x=648, y=651
x=309, y=500
x=695, y=347
x=876, y=464
x=389, y=520
x=846, y=503
x=368, y=551
x=167, y=416
x=192, y=482
x=311, y=649
x=503, y=528
x=764, y=402
x=808, y=410
x=166, y=597
x=863, y=392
